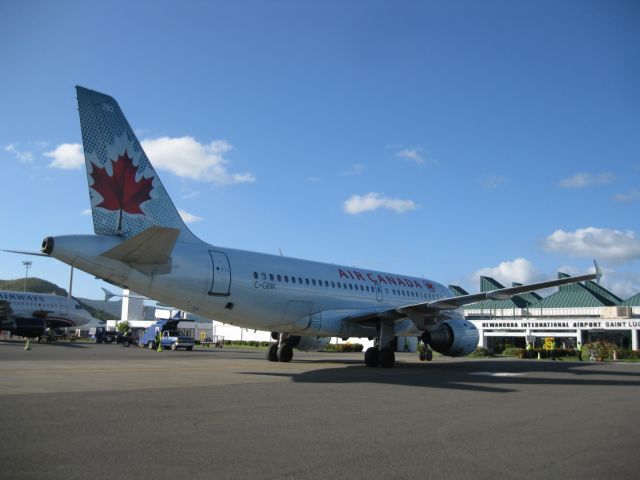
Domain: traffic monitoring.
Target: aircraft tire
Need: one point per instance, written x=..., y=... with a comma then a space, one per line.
x=386, y=357
x=422, y=356
x=285, y=353
x=429, y=355
x=272, y=353
x=125, y=343
x=371, y=357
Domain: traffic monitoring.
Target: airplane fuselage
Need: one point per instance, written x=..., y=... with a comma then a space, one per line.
x=256, y=290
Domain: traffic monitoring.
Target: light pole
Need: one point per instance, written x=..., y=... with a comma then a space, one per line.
x=27, y=266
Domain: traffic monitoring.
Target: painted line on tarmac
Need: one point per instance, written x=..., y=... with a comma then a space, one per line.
x=497, y=374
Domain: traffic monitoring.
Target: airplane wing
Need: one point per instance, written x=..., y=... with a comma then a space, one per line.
x=435, y=307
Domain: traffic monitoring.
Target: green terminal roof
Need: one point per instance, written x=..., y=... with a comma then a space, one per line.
x=575, y=295
x=632, y=301
x=458, y=291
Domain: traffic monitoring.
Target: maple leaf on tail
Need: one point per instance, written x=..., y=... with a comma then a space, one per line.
x=120, y=191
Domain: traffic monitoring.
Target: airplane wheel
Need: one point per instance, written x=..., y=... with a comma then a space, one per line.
x=285, y=353
x=272, y=353
x=371, y=357
x=429, y=355
x=422, y=356
x=386, y=357
x=125, y=343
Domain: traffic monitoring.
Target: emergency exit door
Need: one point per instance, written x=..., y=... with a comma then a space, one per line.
x=221, y=282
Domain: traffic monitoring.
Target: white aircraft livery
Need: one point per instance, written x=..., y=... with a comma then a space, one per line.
x=30, y=314
x=142, y=244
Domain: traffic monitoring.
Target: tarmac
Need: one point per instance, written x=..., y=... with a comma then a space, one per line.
x=104, y=411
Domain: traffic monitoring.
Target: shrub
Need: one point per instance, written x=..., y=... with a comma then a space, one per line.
x=344, y=347
x=603, y=349
x=482, y=352
x=511, y=351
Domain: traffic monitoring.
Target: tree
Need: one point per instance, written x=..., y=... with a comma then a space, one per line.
x=123, y=327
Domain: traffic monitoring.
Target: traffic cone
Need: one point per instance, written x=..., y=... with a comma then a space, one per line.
x=159, y=346
x=27, y=346
x=539, y=357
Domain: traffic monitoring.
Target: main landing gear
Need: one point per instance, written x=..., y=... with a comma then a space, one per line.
x=427, y=353
x=382, y=354
x=280, y=351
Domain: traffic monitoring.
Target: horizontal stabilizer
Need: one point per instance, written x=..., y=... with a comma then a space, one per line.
x=150, y=247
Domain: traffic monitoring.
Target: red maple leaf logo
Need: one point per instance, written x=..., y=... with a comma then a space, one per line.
x=120, y=191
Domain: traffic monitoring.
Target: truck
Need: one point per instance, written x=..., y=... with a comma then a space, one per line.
x=102, y=335
x=167, y=330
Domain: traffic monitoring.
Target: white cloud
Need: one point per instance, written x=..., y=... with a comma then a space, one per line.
x=355, y=169
x=582, y=180
x=519, y=270
x=411, y=154
x=86, y=211
x=186, y=157
x=491, y=182
x=634, y=194
x=599, y=243
x=188, y=217
x=67, y=156
x=23, y=155
x=372, y=201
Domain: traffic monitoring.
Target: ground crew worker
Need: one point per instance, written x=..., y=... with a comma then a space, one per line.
x=529, y=350
x=579, y=348
x=406, y=345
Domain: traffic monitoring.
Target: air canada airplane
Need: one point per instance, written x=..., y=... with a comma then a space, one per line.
x=142, y=244
x=30, y=314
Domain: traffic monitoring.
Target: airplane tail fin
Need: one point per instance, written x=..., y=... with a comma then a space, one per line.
x=127, y=196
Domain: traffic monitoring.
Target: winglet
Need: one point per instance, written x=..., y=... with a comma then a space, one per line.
x=598, y=272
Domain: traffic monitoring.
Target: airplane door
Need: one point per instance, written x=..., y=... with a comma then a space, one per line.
x=64, y=310
x=221, y=282
x=378, y=292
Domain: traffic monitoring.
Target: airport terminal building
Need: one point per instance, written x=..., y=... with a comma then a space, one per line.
x=580, y=312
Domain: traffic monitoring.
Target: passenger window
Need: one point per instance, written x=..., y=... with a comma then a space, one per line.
x=367, y=287
x=306, y=280
x=255, y=275
x=286, y=278
x=326, y=283
x=313, y=282
x=271, y=277
x=279, y=278
x=293, y=279
x=264, y=276
x=350, y=287
x=338, y=284
x=333, y=284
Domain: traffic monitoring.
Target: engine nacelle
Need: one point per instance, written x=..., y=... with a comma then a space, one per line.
x=308, y=344
x=454, y=338
x=24, y=327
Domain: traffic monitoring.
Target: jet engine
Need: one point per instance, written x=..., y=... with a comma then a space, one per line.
x=454, y=338
x=308, y=344
x=24, y=327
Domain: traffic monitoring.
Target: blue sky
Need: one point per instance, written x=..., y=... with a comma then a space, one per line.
x=445, y=139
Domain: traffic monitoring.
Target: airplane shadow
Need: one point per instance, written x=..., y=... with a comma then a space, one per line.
x=35, y=344
x=485, y=376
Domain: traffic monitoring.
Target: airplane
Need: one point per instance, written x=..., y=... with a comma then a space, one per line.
x=29, y=314
x=142, y=244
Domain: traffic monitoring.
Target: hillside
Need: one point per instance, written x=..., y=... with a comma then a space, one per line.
x=38, y=285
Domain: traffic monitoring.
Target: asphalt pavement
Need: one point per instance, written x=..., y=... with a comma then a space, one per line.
x=104, y=411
